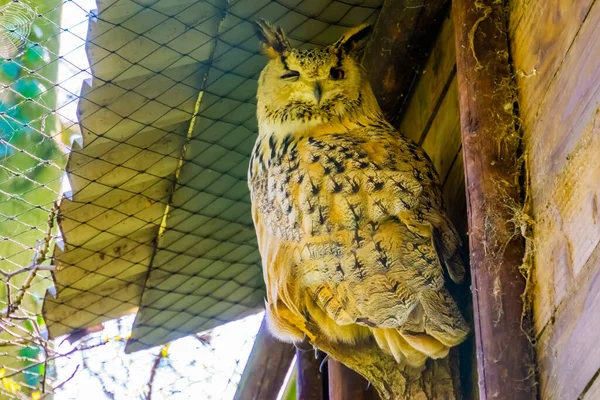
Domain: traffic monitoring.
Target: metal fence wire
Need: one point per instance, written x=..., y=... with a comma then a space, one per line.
x=129, y=261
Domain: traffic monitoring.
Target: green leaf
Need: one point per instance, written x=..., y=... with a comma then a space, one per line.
x=35, y=55
x=9, y=70
x=29, y=87
x=30, y=352
x=28, y=325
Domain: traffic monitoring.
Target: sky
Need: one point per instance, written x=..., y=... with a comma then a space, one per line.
x=191, y=370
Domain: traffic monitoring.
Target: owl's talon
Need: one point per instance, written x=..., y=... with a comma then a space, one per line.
x=323, y=362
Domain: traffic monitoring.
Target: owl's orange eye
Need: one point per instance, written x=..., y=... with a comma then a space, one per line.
x=291, y=75
x=336, y=74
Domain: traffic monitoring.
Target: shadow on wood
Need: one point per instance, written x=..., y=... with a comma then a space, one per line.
x=346, y=384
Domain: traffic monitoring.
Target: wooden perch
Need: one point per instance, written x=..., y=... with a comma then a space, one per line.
x=491, y=145
x=394, y=381
x=266, y=369
x=344, y=384
x=310, y=384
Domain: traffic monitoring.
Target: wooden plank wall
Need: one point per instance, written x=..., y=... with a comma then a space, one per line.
x=556, y=53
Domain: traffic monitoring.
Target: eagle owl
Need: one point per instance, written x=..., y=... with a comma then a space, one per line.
x=351, y=227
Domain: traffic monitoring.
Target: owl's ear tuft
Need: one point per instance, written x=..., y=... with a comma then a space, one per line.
x=273, y=39
x=354, y=39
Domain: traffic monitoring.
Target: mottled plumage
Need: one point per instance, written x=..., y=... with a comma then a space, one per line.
x=351, y=226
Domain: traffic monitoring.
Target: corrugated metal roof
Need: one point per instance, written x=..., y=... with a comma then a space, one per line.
x=159, y=217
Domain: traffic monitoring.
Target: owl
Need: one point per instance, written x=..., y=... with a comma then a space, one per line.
x=355, y=243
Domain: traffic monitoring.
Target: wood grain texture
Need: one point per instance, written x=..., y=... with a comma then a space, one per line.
x=568, y=352
x=401, y=40
x=560, y=140
x=431, y=86
x=346, y=384
x=442, y=142
x=559, y=108
x=490, y=149
x=541, y=34
x=454, y=195
x=266, y=369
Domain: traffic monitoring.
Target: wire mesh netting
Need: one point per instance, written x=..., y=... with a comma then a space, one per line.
x=126, y=241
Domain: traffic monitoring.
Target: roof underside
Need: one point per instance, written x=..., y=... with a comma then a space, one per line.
x=158, y=220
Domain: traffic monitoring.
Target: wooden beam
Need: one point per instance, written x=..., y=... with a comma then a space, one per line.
x=401, y=41
x=310, y=384
x=491, y=146
x=266, y=369
x=347, y=384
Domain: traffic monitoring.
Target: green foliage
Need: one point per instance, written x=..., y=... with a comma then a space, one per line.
x=9, y=71
x=28, y=88
x=290, y=392
x=35, y=55
x=31, y=166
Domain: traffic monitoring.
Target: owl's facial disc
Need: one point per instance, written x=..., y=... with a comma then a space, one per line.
x=310, y=84
x=314, y=84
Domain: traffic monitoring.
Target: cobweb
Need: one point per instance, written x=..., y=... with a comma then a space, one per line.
x=16, y=19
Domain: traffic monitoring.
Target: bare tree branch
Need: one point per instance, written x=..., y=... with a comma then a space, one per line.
x=163, y=353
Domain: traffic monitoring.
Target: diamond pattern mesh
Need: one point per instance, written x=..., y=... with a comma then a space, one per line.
x=157, y=220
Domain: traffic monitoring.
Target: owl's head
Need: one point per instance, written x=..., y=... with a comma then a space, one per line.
x=315, y=84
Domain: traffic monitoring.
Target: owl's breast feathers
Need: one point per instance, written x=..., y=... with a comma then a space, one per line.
x=355, y=241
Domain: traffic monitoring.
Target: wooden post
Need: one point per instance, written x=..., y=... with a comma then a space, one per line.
x=492, y=170
x=393, y=381
x=266, y=369
x=346, y=384
x=310, y=384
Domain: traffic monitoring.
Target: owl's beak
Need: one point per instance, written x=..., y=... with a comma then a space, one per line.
x=318, y=92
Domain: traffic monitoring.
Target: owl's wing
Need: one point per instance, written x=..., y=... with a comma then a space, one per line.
x=360, y=228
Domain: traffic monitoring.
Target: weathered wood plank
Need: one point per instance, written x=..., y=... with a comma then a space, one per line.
x=454, y=196
x=568, y=222
x=442, y=141
x=266, y=369
x=401, y=40
x=568, y=351
x=562, y=144
x=541, y=34
x=490, y=149
x=431, y=86
x=346, y=384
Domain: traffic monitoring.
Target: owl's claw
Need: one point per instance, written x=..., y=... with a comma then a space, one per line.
x=323, y=362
